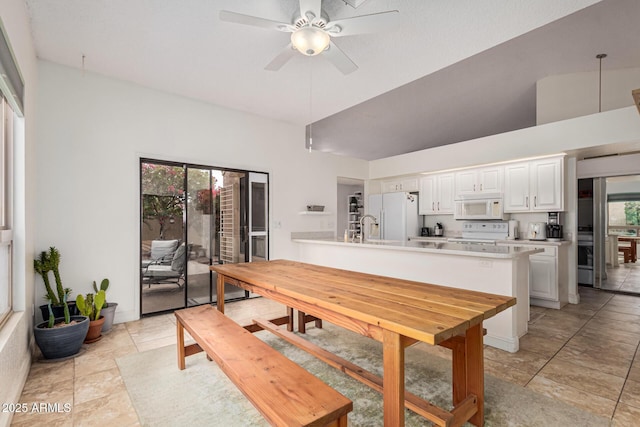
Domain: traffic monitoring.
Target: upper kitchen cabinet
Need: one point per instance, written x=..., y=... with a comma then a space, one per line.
x=479, y=181
x=436, y=194
x=534, y=186
x=404, y=184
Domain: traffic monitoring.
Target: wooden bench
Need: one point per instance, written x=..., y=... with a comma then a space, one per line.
x=626, y=252
x=283, y=392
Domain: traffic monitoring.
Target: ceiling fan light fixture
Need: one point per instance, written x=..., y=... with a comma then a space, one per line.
x=310, y=41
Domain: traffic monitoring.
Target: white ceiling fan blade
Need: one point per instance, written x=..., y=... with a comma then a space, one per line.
x=363, y=24
x=254, y=21
x=313, y=6
x=339, y=59
x=283, y=57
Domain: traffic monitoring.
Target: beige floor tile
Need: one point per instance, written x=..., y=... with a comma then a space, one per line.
x=634, y=372
x=97, y=385
x=506, y=372
x=157, y=343
x=47, y=419
x=631, y=394
x=525, y=361
x=605, y=332
x=46, y=374
x=546, y=346
x=595, y=359
x=572, y=396
x=114, y=409
x=579, y=377
x=625, y=416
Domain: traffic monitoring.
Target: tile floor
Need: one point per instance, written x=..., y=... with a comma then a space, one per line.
x=624, y=278
x=584, y=355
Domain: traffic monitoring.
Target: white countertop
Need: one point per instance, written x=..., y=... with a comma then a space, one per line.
x=439, y=247
x=516, y=242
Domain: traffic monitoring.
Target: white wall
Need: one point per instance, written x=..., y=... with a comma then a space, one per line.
x=15, y=335
x=620, y=126
x=92, y=132
x=573, y=95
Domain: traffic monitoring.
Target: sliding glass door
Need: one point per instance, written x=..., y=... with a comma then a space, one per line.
x=191, y=218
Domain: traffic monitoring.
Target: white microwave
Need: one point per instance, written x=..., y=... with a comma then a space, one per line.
x=489, y=206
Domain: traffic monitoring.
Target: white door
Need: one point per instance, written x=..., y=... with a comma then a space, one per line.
x=546, y=185
x=258, y=217
x=445, y=200
x=427, y=200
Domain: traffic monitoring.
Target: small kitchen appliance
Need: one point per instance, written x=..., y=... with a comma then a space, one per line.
x=438, y=230
x=554, y=228
x=479, y=207
x=513, y=229
x=425, y=232
x=537, y=231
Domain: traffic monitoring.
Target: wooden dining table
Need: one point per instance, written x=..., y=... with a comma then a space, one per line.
x=396, y=312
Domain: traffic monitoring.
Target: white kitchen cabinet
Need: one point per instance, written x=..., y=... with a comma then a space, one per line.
x=543, y=281
x=534, y=186
x=407, y=185
x=548, y=274
x=479, y=181
x=436, y=194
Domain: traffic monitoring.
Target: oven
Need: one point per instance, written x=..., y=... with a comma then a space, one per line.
x=585, y=258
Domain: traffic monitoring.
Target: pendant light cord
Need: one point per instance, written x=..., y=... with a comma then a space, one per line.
x=600, y=56
x=310, y=108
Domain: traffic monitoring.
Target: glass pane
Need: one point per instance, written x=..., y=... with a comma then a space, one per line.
x=163, y=249
x=5, y=279
x=202, y=209
x=258, y=248
x=258, y=206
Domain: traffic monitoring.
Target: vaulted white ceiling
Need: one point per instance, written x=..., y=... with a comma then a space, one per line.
x=444, y=55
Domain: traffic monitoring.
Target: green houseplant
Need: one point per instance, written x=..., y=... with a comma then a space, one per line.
x=58, y=337
x=109, y=308
x=91, y=306
x=49, y=261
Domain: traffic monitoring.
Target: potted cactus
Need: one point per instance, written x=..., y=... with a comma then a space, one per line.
x=62, y=337
x=109, y=308
x=49, y=261
x=91, y=307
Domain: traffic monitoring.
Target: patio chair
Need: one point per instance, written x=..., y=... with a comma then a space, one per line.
x=162, y=252
x=159, y=272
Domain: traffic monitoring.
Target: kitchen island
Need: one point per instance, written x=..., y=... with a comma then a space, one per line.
x=502, y=270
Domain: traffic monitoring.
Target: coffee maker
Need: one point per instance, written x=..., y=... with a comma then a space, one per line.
x=554, y=227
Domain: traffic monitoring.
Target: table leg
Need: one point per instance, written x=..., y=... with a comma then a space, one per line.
x=181, y=352
x=302, y=327
x=475, y=370
x=393, y=379
x=220, y=293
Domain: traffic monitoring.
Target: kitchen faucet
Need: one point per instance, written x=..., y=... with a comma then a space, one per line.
x=375, y=221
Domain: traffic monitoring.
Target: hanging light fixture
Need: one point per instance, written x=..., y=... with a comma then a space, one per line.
x=310, y=40
x=600, y=57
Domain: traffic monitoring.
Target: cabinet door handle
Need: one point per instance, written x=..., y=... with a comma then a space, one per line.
x=480, y=187
x=438, y=205
x=474, y=187
x=535, y=201
x=527, y=201
x=433, y=206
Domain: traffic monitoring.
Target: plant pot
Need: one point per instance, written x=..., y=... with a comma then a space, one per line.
x=64, y=341
x=58, y=310
x=95, y=331
x=108, y=312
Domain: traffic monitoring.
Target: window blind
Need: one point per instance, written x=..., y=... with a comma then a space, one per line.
x=11, y=83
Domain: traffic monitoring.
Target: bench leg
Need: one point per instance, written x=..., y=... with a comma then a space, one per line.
x=302, y=326
x=290, y=316
x=181, y=352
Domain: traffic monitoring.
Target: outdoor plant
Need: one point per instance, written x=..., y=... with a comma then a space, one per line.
x=46, y=262
x=91, y=306
x=104, y=285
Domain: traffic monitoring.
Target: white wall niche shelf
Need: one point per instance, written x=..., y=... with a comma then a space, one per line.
x=314, y=213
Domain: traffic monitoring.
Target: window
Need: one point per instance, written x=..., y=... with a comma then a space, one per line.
x=6, y=238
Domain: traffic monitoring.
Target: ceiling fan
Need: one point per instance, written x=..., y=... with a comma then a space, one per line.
x=312, y=31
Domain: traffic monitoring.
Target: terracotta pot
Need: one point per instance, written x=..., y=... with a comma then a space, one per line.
x=95, y=330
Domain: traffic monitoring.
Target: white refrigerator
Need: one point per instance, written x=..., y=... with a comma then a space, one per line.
x=397, y=215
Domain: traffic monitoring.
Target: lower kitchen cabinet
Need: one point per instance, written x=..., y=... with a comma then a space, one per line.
x=548, y=275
